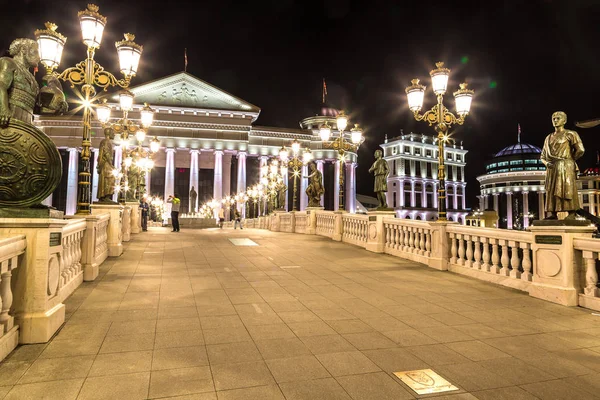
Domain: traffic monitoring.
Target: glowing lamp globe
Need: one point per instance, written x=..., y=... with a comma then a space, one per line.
x=283, y=154
x=463, y=98
x=284, y=170
x=129, y=53
x=307, y=156
x=92, y=26
x=140, y=135
x=103, y=113
x=439, y=78
x=356, y=134
x=325, y=132
x=126, y=100
x=415, y=94
x=147, y=116
x=154, y=145
x=295, y=146
x=50, y=45
x=342, y=121
x=128, y=161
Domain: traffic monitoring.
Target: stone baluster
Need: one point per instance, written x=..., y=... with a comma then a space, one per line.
x=406, y=238
x=399, y=237
x=526, y=275
x=486, y=254
x=461, y=250
x=428, y=244
x=504, y=259
x=591, y=275
x=6, y=299
x=411, y=241
x=495, y=268
x=453, y=249
x=421, y=242
x=469, y=260
x=477, y=254
x=514, y=260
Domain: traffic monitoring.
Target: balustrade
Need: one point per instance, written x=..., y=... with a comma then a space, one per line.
x=355, y=229
x=10, y=250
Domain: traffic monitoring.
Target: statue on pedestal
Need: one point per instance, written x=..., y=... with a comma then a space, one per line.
x=280, y=197
x=315, y=188
x=106, y=178
x=30, y=164
x=562, y=148
x=381, y=170
x=193, y=198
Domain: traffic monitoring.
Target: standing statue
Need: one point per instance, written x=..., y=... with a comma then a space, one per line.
x=315, y=188
x=281, y=189
x=134, y=175
x=381, y=169
x=106, y=179
x=561, y=149
x=193, y=197
x=30, y=164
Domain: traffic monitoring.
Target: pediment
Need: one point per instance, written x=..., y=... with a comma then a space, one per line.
x=185, y=90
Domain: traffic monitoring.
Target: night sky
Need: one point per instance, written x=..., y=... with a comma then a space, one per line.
x=524, y=59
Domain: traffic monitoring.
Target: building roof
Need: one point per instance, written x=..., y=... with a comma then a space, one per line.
x=519, y=148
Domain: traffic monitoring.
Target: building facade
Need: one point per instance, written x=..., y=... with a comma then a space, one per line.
x=209, y=140
x=514, y=186
x=413, y=183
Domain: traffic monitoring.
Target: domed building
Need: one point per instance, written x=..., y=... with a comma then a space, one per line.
x=513, y=185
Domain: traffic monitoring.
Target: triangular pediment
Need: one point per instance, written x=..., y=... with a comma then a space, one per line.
x=185, y=90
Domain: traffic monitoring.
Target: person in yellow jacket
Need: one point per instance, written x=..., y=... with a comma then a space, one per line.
x=175, y=203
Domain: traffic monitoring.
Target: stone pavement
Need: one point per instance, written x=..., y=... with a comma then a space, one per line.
x=299, y=317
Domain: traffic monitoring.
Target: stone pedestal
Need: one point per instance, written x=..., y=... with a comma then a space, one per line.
x=275, y=221
x=311, y=219
x=375, y=233
x=115, y=233
x=37, y=309
x=440, y=249
x=126, y=223
x=338, y=225
x=136, y=218
x=556, y=270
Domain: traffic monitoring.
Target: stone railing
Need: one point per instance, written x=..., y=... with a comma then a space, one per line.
x=554, y=263
x=589, y=251
x=355, y=229
x=496, y=255
x=10, y=250
x=325, y=223
x=71, y=273
x=95, y=244
x=301, y=221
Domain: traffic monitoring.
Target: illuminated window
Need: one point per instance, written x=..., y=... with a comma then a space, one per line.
x=503, y=164
x=516, y=162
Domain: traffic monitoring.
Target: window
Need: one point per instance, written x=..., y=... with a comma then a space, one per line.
x=529, y=169
x=428, y=153
x=448, y=156
x=406, y=167
x=492, y=165
x=395, y=200
x=503, y=170
x=517, y=169
x=417, y=168
x=458, y=157
x=516, y=162
x=394, y=171
x=417, y=152
x=586, y=198
x=531, y=161
x=503, y=164
x=394, y=150
x=394, y=184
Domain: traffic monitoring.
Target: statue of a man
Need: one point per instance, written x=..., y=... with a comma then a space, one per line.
x=381, y=170
x=281, y=192
x=562, y=148
x=315, y=188
x=193, y=197
x=18, y=87
x=106, y=179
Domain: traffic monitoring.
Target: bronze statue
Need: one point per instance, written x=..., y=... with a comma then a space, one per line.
x=134, y=175
x=281, y=189
x=381, y=169
x=562, y=149
x=30, y=165
x=52, y=98
x=315, y=188
x=193, y=197
x=106, y=179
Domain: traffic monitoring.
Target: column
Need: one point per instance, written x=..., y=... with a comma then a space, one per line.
x=148, y=181
x=72, y=182
x=401, y=183
x=541, y=206
x=352, y=191
x=509, y=211
x=423, y=194
x=592, y=196
x=303, y=185
x=525, y=209
x=336, y=186
x=320, y=169
x=169, y=174
x=226, y=175
x=481, y=201
x=486, y=202
x=218, y=179
x=435, y=194
x=194, y=171
x=496, y=206
x=117, y=165
x=455, y=198
x=241, y=177
x=412, y=194
x=95, y=176
x=263, y=160
x=464, y=196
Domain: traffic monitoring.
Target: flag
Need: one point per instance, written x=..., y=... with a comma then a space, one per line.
x=185, y=58
x=519, y=133
x=324, y=90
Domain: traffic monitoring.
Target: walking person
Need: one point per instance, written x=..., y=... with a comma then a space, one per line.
x=145, y=210
x=175, y=203
x=238, y=220
x=221, y=217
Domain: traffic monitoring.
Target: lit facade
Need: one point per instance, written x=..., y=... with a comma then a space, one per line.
x=413, y=184
x=209, y=140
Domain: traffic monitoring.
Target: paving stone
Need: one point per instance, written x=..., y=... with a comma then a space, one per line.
x=297, y=369
x=347, y=363
x=128, y=386
x=317, y=389
x=373, y=386
x=63, y=390
x=241, y=375
x=184, y=381
x=271, y=392
x=54, y=369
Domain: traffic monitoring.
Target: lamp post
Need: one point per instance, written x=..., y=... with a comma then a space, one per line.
x=87, y=75
x=295, y=163
x=342, y=144
x=441, y=117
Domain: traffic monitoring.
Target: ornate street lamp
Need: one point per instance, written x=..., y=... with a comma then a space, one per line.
x=441, y=117
x=87, y=75
x=342, y=144
x=295, y=163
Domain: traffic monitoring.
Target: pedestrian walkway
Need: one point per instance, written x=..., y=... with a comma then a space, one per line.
x=295, y=317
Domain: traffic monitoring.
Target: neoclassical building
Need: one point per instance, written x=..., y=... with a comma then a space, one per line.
x=514, y=186
x=413, y=184
x=209, y=140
